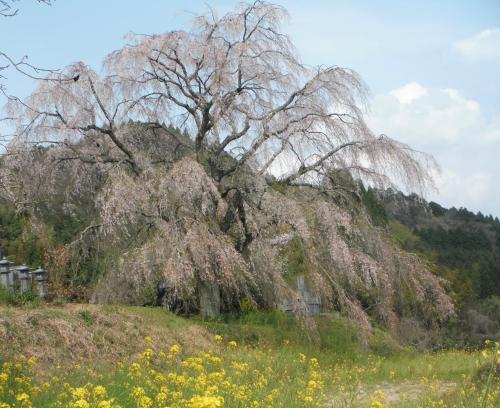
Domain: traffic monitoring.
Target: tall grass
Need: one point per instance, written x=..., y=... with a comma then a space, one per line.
x=16, y=298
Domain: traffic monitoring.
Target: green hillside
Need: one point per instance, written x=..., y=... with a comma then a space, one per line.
x=463, y=247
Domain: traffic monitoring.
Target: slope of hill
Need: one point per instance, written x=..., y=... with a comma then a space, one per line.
x=460, y=239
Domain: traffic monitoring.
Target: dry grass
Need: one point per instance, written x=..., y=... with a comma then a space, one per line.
x=61, y=336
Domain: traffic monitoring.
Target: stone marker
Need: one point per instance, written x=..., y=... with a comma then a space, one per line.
x=209, y=300
x=40, y=279
x=23, y=274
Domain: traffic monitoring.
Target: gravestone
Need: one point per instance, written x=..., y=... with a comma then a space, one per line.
x=306, y=301
x=23, y=275
x=21, y=278
x=40, y=279
x=209, y=300
x=4, y=272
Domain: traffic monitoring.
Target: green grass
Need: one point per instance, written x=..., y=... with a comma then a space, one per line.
x=11, y=298
x=273, y=328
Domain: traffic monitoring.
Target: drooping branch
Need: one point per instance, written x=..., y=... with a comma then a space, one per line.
x=303, y=169
x=29, y=70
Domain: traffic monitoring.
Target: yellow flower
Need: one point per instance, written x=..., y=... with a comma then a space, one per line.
x=159, y=378
x=23, y=397
x=134, y=370
x=99, y=391
x=144, y=402
x=218, y=339
x=177, y=395
x=232, y=344
x=378, y=404
x=161, y=398
x=205, y=402
x=81, y=403
x=314, y=362
x=79, y=393
x=274, y=393
x=175, y=350
x=377, y=400
x=138, y=392
x=215, y=360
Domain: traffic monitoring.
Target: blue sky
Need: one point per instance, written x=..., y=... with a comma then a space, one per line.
x=432, y=66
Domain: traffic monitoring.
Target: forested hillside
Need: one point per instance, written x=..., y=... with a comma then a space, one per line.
x=462, y=246
x=466, y=243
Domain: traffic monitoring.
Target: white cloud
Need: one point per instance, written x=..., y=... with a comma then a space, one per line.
x=484, y=46
x=425, y=115
x=409, y=92
x=455, y=130
x=471, y=190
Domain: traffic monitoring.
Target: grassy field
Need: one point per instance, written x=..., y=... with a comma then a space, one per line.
x=81, y=356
